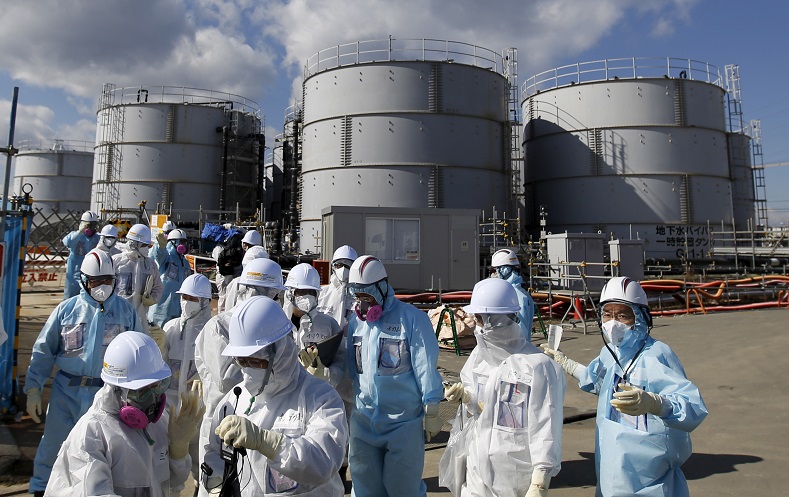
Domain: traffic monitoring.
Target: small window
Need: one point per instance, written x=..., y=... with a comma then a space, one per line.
x=392, y=240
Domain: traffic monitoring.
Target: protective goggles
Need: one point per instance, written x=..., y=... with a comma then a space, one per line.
x=623, y=315
x=496, y=320
x=94, y=281
x=359, y=292
x=150, y=392
x=251, y=362
x=340, y=265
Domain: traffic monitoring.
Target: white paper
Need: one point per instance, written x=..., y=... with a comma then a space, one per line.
x=554, y=336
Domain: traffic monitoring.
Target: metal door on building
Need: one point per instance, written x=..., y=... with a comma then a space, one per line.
x=463, y=263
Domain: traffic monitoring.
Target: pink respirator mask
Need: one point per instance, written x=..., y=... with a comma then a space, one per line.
x=136, y=418
x=372, y=314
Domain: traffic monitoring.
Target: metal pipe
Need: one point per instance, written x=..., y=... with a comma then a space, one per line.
x=223, y=173
x=10, y=152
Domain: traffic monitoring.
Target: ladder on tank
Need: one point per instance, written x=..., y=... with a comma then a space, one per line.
x=760, y=187
x=513, y=118
x=109, y=156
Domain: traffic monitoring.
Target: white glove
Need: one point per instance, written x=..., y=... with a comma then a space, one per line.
x=319, y=370
x=158, y=336
x=184, y=424
x=241, y=432
x=456, y=393
x=635, y=402
x=307, y=356
x=433, y=422
x=540, y=481
x=34, y=404
x=565, y=362
x=161, y=240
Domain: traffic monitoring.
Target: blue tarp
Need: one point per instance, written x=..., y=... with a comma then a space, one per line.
x=218, y=233
x=13, y=240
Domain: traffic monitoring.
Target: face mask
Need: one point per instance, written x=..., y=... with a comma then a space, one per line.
x=109, y=242
x=182, y=249
x=89, y=232
x=305, y=303
x=255, y=379
x=504, y=272
x=367, y=312
x=139, y=417
x=189, y=308
x=101, y=292
x=144, y=250
x=342, y=274
x=614, y=332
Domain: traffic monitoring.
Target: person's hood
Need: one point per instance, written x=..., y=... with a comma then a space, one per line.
x=285, y=369
x=634, y=339
x=494, y=352
x=514, y=279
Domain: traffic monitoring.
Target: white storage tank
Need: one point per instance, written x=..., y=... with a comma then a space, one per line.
x=632, y=149
x=181, y=148
x=403, y=123
x=60, y=173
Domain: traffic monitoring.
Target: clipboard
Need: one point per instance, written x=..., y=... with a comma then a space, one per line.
x=327, y=349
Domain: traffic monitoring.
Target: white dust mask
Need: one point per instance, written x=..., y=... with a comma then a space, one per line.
x=305, y=303
x=342, y=274
x=101, y=293
x=614, y=332
x=189, y=308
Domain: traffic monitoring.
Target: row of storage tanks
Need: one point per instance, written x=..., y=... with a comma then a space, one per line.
x=634, y=148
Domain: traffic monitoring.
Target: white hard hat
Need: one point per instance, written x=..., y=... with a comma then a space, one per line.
x=255, y=324
x=303, y=276
x=252, y=237
x=505, y=257
x=168, y=226
x=262, y=272
x=133, y=360
x=254, y=252
x=109, y=231
x=89, y=217
x=366, y=270
x=493, y=296
x=97, y=263
x=139, y=233
x=176, y=234
x=623, y=290
x=196, y=285
x=344, y=252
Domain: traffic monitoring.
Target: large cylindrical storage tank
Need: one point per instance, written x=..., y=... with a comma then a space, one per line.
x=632, y=148
x=180, y=148
x=403, y=123
x=742, y=181
x=59, y=173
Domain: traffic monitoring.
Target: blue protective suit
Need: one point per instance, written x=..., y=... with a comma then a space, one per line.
x=173, y=270
x=74, y=338
x=78, y=245
x=642, y=455
x=526, y=314
x=392, y=365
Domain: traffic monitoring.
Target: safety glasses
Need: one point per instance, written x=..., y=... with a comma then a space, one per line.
x=150, y=392
x=251, y=362
x=495, y=320
x=340, y=265
x=621, y=313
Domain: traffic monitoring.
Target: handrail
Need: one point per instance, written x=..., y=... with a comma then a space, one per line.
x=56, y=145
x=624, y=68
x=391, y=49
x=180, y=94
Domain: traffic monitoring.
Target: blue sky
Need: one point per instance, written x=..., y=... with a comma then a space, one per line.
x=60, y=53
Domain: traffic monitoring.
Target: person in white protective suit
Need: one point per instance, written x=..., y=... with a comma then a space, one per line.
x=173, y=270
x=393, y=354
x=334, y=298
x=127, y=444
x=646, y=405
x=288, y=426
x=74, y=339
x=108, y=237
x=312, y=327
x=138, y=275
x=232, y=291
x=516, y=397
x=179, y=351
x=251, y=239
x=79, y=242
x=218, y=373
x=506, y=266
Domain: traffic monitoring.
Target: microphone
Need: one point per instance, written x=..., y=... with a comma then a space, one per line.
x=237, y=393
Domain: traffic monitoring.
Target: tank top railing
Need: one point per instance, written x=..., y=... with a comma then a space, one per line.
x=626, y=68
x=392, y=49
x=184, y=95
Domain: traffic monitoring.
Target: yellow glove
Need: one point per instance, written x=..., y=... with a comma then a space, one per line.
x=635, y=401
x=242, y=432
x=456, y=393
x=34, y=404
x=562, y=360
x=318, y=370
x=307, y=356
x=433, y=421
x=161, y=240
x=540, y=481
x=159, y=337
x=184, y=424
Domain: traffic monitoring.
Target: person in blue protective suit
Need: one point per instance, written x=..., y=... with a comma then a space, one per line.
x=392, y=353
x=173, y=270
x=161, y=239
x=74, y=339
x=287, y=427
x=512, y=399
x=505, y=265
x=127, y=444
x=647, y=407
x=79, y=243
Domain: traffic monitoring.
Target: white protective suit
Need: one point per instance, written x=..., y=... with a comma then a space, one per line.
x=335, y=301
x=520, y=426
x=316, y=327
x=310, y=415
x=218, y=373
x=104, y=457
x=133, y=270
